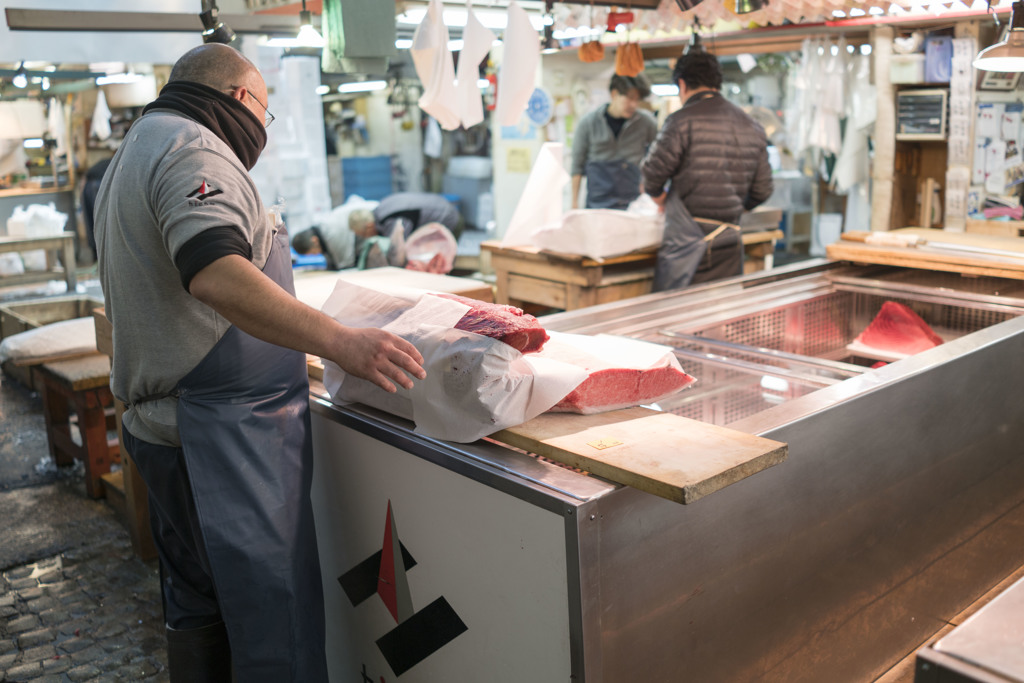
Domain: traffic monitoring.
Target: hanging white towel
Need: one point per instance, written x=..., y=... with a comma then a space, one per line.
x=518, y=71
x=432, y=139
x=55, y=127
x=435, y=67
x=101, y=117
x=541, y=201
x=477, y=40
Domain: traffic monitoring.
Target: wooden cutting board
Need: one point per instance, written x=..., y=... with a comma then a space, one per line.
x=852, y=248
x=664, y=454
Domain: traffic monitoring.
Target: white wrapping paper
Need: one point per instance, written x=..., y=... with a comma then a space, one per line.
x=601, y=233
x=475, y=385
x=435, y=67
x=541, y=201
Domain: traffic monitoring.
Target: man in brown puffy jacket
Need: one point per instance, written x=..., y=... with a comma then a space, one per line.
x=708, y=164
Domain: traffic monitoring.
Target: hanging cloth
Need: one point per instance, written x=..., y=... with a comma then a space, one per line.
x=477, y=41
x=629, y=60
x=100, y=118
x=518, y=66
x=56, y=129
x=592, y=50
x=435, y=67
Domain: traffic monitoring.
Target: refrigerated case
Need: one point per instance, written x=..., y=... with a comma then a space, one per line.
x=899, y=504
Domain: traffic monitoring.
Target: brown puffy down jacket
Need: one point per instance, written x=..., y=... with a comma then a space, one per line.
x=715, y=156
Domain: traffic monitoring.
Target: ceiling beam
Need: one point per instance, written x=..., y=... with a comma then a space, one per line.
x=25, y=19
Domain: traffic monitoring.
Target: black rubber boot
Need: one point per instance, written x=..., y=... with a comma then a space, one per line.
x=199, y=655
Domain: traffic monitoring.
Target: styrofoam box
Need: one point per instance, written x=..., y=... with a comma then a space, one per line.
x=469, y=167
x=907, y=68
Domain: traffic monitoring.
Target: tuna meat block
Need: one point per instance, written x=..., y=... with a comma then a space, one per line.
x=509, y=324
x=610, y=383
x=898, y=329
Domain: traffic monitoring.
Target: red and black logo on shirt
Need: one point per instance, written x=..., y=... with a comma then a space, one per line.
x=203, y=192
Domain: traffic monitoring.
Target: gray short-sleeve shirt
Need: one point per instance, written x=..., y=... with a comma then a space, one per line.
x=170, y=180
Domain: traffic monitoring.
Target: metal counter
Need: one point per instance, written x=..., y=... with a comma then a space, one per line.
x=899, y=504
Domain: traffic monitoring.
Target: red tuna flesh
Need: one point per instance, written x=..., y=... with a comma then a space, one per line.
x=897, y=328
x=509, y=324
x=615, y=388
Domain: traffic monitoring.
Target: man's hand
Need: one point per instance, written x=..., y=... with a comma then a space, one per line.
x=378, y=356
x=660, y=200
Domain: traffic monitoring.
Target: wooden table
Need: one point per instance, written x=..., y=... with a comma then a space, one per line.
x=571, y=281
x=64, y=243
x=314, y=287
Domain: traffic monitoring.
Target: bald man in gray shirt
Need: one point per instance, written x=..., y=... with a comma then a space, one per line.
x=209, y=360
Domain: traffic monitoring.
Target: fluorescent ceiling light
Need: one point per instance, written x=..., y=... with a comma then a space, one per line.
x=664, y=90
x=323, y=89
x=33, y=143
x=492, y=19
x=362, y=86
x=119, y=78
x=403, y=43
x=483, y=84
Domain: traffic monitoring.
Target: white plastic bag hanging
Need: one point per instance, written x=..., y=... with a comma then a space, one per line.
x=477, y=40
x=518, y=72
x=435, y=67
x=101, y=118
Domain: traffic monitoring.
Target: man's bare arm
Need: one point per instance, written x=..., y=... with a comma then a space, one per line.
x=250, y=300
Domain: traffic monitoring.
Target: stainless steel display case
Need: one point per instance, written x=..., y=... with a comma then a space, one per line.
x=899, y=504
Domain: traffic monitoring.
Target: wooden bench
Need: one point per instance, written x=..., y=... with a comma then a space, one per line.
x=79, y=390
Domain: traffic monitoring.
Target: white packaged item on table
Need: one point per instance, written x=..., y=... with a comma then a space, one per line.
x=475, y=385
x=604, y=233
x=64, y=339
x=36, y=220
x=11, y=264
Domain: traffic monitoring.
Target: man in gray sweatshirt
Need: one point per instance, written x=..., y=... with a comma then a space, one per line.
x=609, y=143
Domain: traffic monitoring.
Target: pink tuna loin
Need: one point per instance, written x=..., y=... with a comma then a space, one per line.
x=898, y=329
x=616, y=388
x=509, y=324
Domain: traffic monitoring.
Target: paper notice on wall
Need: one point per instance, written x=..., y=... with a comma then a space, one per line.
x=1010, y=122
x=978, y=174
x=989, y=116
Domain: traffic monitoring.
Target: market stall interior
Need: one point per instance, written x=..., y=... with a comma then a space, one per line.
x=831, y=485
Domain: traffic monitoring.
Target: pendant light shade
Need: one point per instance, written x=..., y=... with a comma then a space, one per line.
x=1007, y=54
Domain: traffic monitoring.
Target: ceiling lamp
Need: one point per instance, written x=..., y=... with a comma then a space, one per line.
x=1007, y=54
x=214, y=30
x=308, y=36
x=748, y=6
x=20, y=79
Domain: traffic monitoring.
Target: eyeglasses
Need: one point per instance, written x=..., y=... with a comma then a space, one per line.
x=268, y=118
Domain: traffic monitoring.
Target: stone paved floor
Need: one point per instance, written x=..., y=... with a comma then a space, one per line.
x=76, y=604
x=89, y=614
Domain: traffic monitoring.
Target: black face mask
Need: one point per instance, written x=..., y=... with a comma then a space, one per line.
x=225, y=116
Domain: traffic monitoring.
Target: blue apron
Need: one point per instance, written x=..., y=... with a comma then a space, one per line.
x=612, y=184
x=243, y=415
